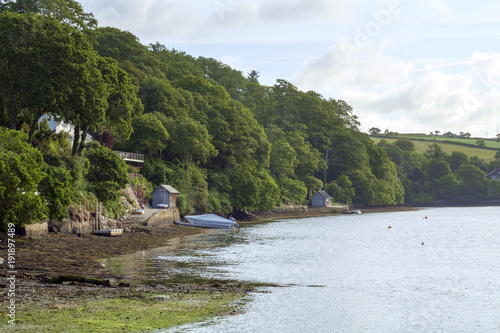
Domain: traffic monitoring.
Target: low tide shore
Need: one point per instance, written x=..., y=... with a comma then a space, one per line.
x=61, y=284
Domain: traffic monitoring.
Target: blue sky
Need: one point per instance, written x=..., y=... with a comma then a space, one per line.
x=406, y=66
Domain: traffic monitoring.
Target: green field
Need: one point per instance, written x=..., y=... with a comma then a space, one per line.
x=489, y=143
x=421, y=146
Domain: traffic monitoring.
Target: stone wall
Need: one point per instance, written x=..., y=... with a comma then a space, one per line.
x=81, y=227
x=36, y=230
x=164, y=217
x=288, y=209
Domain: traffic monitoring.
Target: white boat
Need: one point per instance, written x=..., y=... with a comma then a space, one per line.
x=209, y=221
x=352, y=211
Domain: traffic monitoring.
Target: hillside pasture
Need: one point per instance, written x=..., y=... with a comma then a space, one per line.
x=489, y=143
x=448, y=148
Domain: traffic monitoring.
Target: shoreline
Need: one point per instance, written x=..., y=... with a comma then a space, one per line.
x=61, y=272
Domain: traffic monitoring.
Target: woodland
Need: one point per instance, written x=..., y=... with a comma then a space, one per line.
x=225, y=141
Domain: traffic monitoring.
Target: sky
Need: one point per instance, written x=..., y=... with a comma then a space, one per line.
x=404, y=66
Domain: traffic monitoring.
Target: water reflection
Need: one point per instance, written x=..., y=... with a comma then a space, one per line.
x=185, y=260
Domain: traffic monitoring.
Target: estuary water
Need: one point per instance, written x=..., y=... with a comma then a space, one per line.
x=433, y=270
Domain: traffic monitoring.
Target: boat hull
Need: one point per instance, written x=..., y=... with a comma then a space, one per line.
x=209, y=221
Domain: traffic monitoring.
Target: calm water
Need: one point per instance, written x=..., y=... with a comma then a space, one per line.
x=352, y=273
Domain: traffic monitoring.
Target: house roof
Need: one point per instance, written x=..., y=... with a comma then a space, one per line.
x=168, y=188
x=496, y=171
x=324, y=194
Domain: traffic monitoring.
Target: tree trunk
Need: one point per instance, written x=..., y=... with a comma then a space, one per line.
x=326, y=167
x=36, y=117
x=76, y=139
x=82, y=139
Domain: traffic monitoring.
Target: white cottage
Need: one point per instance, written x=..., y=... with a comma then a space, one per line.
x=165, y=196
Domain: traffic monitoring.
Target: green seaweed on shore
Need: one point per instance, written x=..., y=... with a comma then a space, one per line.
x=124, y=315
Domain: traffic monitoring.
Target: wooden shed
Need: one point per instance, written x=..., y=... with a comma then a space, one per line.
x=321, y=199
x=165, y=196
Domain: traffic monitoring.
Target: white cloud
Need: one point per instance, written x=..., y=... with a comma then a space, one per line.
x=388, y=93
x=335, y=73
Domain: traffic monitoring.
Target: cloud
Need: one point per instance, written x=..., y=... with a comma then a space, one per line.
x=389, y=93
x=286, y=10
x=222, y=20
x=336, y=73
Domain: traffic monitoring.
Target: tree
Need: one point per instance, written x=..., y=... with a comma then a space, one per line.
x=107, y=172
x=292, y=191
x=341, y=190
x=405, y=144
x=472, y=182
x=375, y=130
x=190, y=141
x=57, y=190
x=456, y=159
x=120, y=45
x=283, y=156
x=21, y=170
x=86, y=106
x=497, y=156
x=447, y=187
x=435, y=152
x=149, y=137
x=65, y=11
x=438, y=169
x=481, y=142
x=232, y=80
x=122, y=100
x=39, y=54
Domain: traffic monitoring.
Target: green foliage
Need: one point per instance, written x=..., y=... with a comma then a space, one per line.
x=21, y=170
x=143, y=189
x=473, y=184
x=149, y=136
x=481, y=143
x=292, y=191
x=341, y=190
x=57, y=190
x=405, y=144
x=218, y=203
x=107, y=172
x=120, y=45
x=190, y=141
x=40, y=54
x=251, y=190
x=68, y=11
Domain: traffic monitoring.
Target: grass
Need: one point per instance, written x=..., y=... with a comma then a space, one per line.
x=123, y=315
x=489, y=143
x=422, y=146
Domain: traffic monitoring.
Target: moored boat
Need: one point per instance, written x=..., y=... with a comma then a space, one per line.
x=109, y=232
x=357, y=211
x=209, y=221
